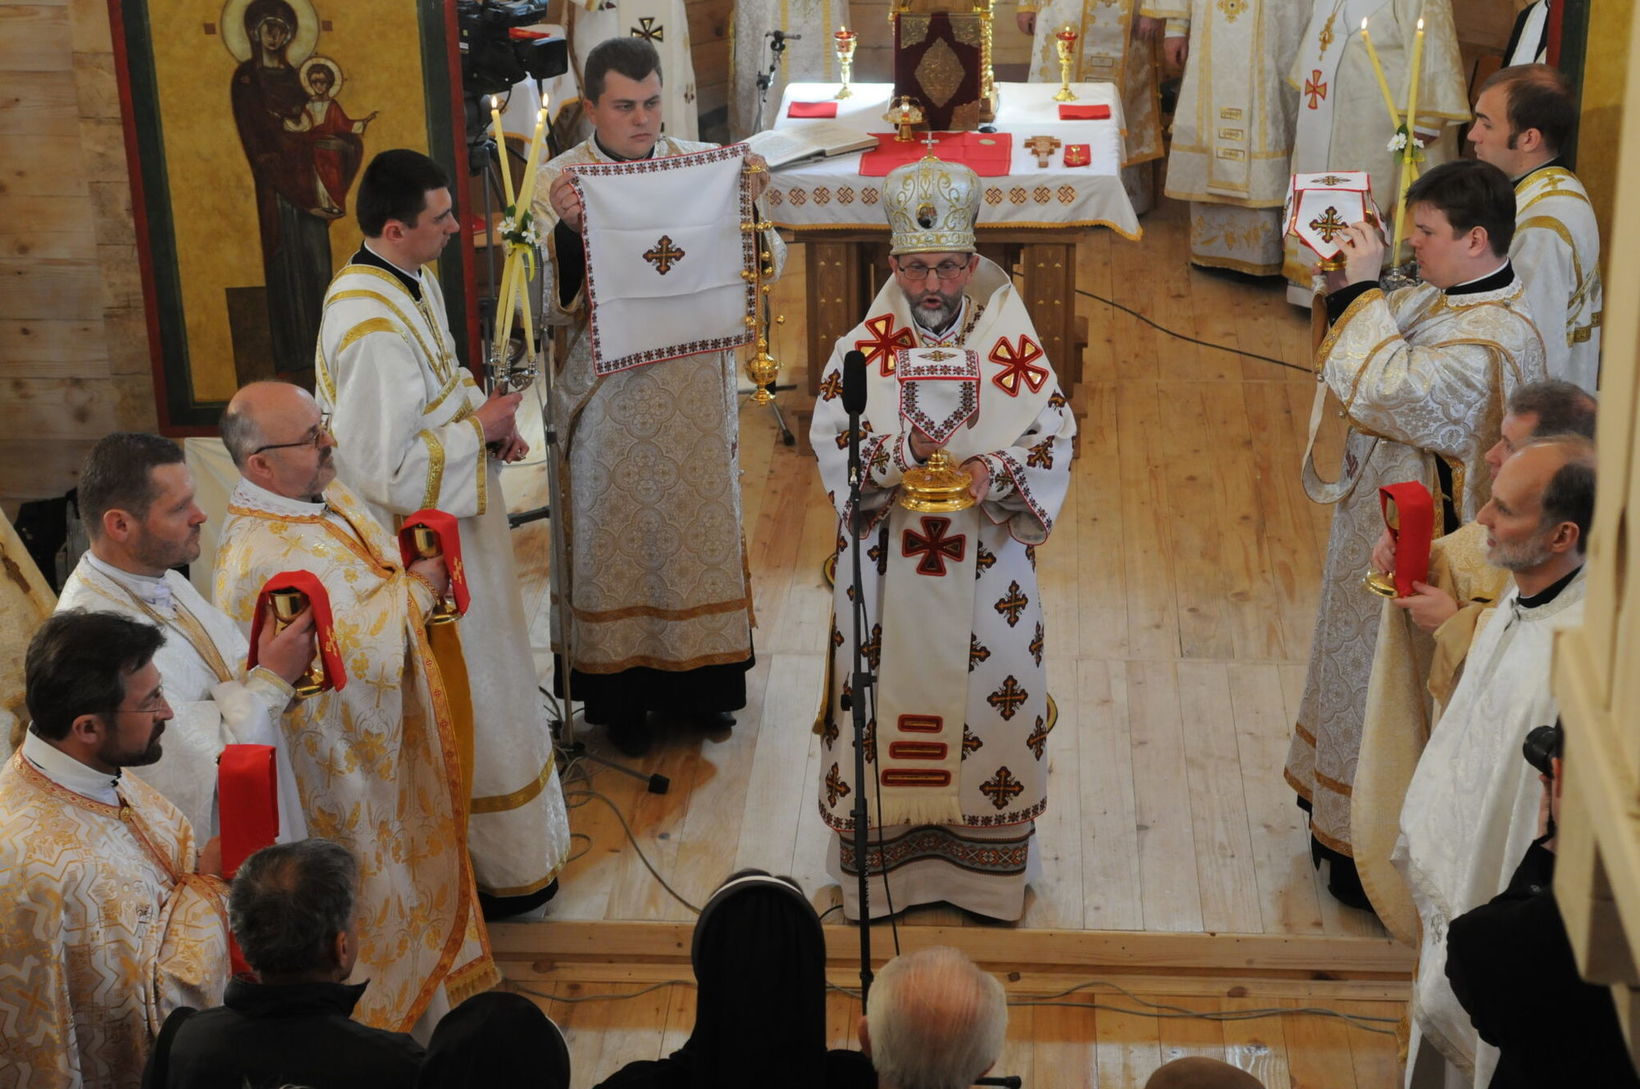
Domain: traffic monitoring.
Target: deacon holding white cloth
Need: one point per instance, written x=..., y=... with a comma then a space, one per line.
x=644, y=266
x=957, y=737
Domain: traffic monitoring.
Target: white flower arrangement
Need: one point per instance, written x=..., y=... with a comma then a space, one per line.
x=520, y=229
x=1398, y=142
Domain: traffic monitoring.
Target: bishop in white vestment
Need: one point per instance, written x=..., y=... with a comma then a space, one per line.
x=107, y=924
x=1343, y=121
x=378, y=761
x=1471, y=809
x=415, y=431
x=957, y=736
x=1233, y=127
x=1423, y=375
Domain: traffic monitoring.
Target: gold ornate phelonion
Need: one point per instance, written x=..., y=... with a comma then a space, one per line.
x=287, y=605
x=843, y=41
x=429, y=547
x=938, y=486
x=1065, y=42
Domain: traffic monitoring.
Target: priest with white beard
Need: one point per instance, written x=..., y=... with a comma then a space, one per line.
x=136, y=498
x=1472, y=807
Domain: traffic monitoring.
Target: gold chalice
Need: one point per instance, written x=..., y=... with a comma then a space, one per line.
x=429, y=547
x=1065, y=42
x=938, y=486
x=843, y=41
x=1382, y=583
x=287, y=605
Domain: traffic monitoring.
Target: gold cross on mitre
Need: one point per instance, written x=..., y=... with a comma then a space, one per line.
x=929, y=142
x=1041, y=147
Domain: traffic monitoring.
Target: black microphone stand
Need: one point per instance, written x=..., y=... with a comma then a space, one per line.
x=860, y=680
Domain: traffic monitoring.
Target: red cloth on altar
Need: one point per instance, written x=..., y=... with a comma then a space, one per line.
x=812, y=109
x=324, y=627
x=989, y=154
x=449, y=543
x=1083, y=113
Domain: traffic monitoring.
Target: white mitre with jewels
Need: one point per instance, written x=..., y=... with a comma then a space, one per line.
x=932, y=206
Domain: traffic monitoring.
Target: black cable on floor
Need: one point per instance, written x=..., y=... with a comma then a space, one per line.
x=1193, y=340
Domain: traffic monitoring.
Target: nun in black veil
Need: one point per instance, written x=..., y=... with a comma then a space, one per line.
x=760, y=1004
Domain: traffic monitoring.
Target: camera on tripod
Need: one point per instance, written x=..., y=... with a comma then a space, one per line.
x=495, y=55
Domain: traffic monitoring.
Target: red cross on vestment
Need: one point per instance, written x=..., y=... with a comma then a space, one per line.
x=933, y=545
x=1018, y=364
x=884, y=339
x=1315, y=88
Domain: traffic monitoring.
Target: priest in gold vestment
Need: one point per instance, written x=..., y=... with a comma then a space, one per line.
x=1423, y=375
x=417, y=432
x=377, y=763
x=657, y=608
x=112, y=917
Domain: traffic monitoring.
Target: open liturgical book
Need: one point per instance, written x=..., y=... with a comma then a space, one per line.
x=813, y=140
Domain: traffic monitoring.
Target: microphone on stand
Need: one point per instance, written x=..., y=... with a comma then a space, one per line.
x=854, y=403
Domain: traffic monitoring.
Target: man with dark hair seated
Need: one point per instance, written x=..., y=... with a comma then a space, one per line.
x=1422, y=375
x=292, y=911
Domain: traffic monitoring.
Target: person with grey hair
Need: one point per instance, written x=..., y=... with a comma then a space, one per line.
x=293, y=910
x=1471, y=809
x=1419, y=655
x=136, y=498
x=934, y=1021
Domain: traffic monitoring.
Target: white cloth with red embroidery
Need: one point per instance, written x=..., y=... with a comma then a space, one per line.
x=665, y=255
x=961, y=751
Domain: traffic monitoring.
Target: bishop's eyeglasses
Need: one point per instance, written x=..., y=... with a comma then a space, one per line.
x=917, y=272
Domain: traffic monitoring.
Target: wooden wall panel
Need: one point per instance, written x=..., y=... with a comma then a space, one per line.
x=73, y=340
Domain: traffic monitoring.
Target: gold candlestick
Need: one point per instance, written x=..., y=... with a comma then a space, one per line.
x=1065, y=42
x=428, y=547
x=287, y=605
x=843, y=41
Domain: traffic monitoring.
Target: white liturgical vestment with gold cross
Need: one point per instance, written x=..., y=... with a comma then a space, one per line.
x=407, y=440
x=105, y=926
x=964, y=783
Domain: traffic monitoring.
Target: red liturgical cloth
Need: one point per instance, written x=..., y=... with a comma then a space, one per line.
x=1409, y=511
x=812, y=109
x=989, y=154
x=1083, y=113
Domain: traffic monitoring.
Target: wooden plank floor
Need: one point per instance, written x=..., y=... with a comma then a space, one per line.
x=1179, y=584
